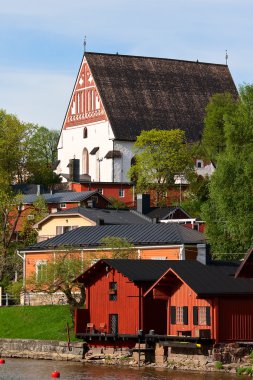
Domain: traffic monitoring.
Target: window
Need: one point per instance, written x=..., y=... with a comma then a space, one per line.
x=41, y=270
x=30, y=217
x=201, y=316
x=199, y=164
x=62, y=205
x=85, y=161
x=100, y=191
x=121, y=193
x=85, y=133
x=113, y=287
x=62, y=229
x=179, y=315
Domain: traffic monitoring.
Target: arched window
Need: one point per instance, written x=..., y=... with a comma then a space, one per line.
x=85, y=161
x=85, y=133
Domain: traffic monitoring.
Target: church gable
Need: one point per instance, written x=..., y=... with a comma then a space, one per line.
x=85, y=105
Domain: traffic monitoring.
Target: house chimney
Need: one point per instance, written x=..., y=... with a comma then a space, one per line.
x=143, y=203
x=38, y=190
x=74, y=170
x=100, y=222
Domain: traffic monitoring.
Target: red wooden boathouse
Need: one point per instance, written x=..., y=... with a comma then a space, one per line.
x=166, y=298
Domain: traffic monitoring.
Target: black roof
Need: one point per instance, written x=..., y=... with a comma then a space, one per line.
x=107, y=215
x=204, y=280
x=143, y=93
x=61, y=197
x=137, y=234
x=166, y=212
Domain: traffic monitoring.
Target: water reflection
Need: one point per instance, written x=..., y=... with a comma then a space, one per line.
x=21, y=369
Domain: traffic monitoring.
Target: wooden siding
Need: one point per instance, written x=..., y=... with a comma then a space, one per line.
x=235, y=319
x=191, y=253
x=169, y=253
x=185, y=296
x=126, y=306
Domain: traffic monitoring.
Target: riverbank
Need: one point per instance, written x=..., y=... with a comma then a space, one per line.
x=232, y=358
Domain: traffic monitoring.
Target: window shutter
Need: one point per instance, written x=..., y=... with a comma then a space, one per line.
x=185, y=315
x=173, y=315
x=195, y=316
x=208, y=316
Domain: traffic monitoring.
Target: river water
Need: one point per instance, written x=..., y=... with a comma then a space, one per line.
x=22, y=369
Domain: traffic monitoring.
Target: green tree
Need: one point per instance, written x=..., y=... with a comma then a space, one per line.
x=14, y=141
x=58, y=275
x=159, y=156
x=229, y=211
x=119, y=247
x=42, y=153
x=213, y=139
x=38, y=211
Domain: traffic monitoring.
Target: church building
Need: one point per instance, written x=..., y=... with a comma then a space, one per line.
x=116, y=96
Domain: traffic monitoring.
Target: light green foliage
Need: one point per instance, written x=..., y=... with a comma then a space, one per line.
x=160, y=155
x=218, y=365
x=42, y=153
x=229, y=210
x=39, y=210
x=120, y=247
x=196, y=195
x=115, y=203
x=217, y=110
x=244, y=371
x=58, y=276
x=14, y=141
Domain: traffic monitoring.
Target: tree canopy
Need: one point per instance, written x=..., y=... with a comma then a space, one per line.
x=229, y=210
x=160, y=155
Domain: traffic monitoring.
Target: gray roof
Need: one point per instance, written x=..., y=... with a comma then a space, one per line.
x=143, y=93
x=137, y=234
x=108, y=216
x=166, y=212
x=205, y=280
x=64, y=197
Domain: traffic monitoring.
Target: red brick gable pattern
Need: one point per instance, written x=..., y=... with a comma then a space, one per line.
x=85, y=105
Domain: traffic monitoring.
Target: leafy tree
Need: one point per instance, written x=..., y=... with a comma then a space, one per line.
x=119, y=247
x=38, y=211
x=14, y=141
x=213, y=139
x=159, y=156
x=229, y=210
x=58, y=275
x=196, y=195
x=42, y=153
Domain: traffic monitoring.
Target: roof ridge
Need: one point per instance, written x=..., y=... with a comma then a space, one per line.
x=156, y=58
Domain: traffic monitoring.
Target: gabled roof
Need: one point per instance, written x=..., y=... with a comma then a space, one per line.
x=64, y=197
x=108, y=216
x=166, y=212
x=204, y=280
x=143, y=93
x=141, y=234
x=246, y=267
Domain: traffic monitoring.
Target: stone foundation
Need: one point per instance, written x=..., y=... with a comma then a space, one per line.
x=37, y=349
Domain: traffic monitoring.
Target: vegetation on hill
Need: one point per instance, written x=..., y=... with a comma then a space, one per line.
x=36, y=322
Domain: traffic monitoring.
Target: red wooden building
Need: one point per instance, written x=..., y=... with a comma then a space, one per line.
x=168, y=299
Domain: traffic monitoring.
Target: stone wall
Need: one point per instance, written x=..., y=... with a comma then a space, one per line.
x=37, y=349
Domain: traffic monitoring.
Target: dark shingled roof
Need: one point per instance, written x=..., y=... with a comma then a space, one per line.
x=166, y=212
x=205, y=280
x=64, y=197
x=142, y=93
x=141, y=234
x=109, y=216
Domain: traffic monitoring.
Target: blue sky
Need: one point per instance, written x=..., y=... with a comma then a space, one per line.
x=41, y=43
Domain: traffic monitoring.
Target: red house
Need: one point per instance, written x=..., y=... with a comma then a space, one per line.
x=168, y=299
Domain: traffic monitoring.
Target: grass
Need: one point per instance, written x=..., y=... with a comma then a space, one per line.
x=36, y=322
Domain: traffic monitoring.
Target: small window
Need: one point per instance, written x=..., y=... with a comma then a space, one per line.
x=100, y=191
x=41, y=270
x=121, y=193
x=62, y=205
x=85, y=133
x=113, y=287
x=30, y=217
x=199, y=163
x=179, y=315
x=62, y=229
x=201, y=316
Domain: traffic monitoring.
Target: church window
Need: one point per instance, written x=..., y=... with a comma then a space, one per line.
x=85, y=161
x=85, y=133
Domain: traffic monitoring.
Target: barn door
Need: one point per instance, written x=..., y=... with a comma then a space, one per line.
x=113, y=323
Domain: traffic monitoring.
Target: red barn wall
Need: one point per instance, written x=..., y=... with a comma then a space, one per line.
x=185, y=296
x=235, y=319
x=126, y=306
